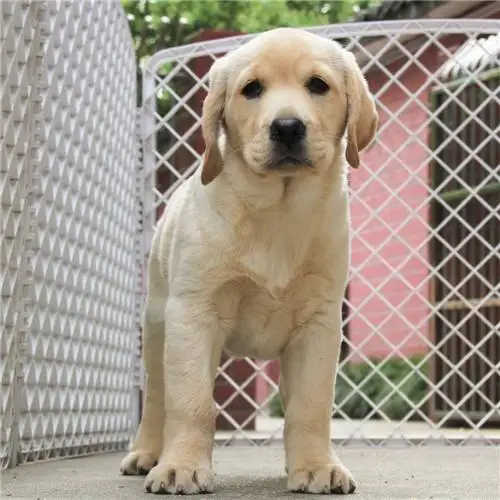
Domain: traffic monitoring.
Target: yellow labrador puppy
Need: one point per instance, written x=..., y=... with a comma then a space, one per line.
x=251, y=257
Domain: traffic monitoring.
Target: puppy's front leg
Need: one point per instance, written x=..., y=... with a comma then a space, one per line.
x=193, y=346
x=309, y=365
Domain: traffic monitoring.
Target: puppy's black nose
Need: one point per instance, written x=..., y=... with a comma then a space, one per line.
x=287, y=131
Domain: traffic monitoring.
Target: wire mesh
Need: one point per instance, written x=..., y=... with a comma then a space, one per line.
x=70, y=221
x=397, y=379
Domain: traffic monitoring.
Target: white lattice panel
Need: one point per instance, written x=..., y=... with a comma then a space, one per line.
x=393, y=309
x=76, y=362
x=19, y=38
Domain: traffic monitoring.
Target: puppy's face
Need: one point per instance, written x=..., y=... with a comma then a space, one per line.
x=286, y=110
x=284, y=101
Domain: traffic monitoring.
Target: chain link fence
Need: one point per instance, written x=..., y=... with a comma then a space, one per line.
x=421, y=356
x=70, y=214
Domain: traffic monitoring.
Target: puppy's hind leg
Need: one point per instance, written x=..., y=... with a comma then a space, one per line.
x=148, y=443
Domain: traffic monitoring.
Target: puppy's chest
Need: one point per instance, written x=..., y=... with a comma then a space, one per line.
x=256, y=323
x=260, y=325
x=272, y=258
x=273, y=290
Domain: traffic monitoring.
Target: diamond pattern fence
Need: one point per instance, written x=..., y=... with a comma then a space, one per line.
x=422, y=312
x=70, y=214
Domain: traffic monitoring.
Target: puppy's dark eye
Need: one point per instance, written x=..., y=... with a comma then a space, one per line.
x=252, y=89
x=317, y=86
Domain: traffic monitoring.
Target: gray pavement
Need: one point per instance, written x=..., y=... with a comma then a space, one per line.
x=430, y=472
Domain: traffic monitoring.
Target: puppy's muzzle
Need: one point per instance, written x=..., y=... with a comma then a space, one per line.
x=287, y=136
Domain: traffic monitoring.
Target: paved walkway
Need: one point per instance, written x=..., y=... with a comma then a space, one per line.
x=431, y=472
x=343, y=429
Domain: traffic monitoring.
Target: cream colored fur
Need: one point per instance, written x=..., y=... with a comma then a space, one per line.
x=255, y=262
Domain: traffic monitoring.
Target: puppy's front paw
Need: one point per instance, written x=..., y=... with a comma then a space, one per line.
x=330, y=478
x=170, y=479
x=138, y=463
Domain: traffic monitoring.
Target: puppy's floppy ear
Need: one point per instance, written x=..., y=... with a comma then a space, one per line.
x=362, y=119
x=213, y=108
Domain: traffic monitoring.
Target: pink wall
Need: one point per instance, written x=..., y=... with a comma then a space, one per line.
x=398, y=312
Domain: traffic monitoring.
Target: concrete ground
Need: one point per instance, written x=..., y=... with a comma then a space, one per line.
x=427, y=472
